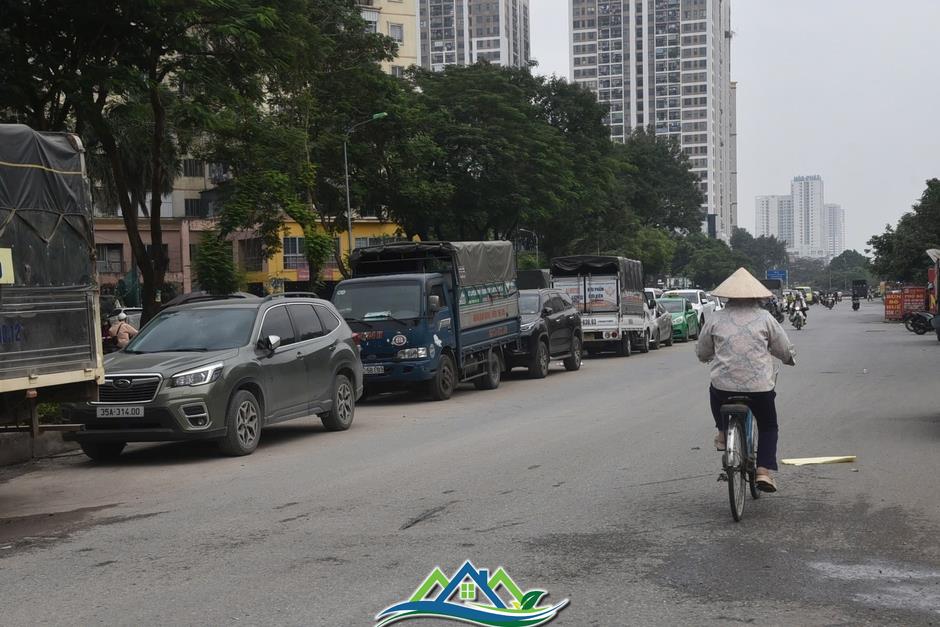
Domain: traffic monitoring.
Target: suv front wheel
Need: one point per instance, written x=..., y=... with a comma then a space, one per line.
x=244, y=425
x=341, y=413
x=103, y=451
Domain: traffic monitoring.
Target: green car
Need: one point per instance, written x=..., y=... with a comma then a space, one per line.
x=684, y=318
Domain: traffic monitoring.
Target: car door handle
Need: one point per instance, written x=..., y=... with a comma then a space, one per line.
x=300, y=355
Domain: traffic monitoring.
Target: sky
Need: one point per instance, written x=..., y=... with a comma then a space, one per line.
x=847, y=89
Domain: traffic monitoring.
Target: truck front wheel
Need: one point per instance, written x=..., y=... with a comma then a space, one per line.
x=490, y=380
x=441, y=387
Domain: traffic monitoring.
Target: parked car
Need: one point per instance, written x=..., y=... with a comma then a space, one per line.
x=661, y=321
x=685, y=324
x=551, y=329
x=222, y=370
x=699, y=299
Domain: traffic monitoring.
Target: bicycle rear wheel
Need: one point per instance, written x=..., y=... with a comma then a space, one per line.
x=736, y=468
x=752, y=463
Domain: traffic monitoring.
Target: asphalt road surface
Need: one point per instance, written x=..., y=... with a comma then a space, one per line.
x=598, y=486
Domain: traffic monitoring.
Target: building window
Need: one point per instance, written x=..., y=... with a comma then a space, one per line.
x=194, y=208
x=294, y=253
x=110, y=258
x=194, y=168
x=396, y=32
x=398, y=71
x=250, y=252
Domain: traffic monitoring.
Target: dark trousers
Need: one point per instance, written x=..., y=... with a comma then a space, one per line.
x=765, y=412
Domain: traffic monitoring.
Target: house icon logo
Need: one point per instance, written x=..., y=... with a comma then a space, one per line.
x=473, y=596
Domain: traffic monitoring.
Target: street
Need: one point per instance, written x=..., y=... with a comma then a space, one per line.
x=599, y=486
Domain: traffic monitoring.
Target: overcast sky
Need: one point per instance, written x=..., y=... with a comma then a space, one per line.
x=847, y=89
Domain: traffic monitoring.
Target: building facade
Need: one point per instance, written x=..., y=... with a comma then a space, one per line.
x=399, y=20
x=835, y=217
x=462, y=32
x=666, y=65
x=809, y=226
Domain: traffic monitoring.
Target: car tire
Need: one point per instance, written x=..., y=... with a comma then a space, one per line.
x=573, y=361
x=103, y=451
x=343, y=409
x=243, y=421
x=669, y=340
x=490, y=379
x=654, y=345
x=442, y=386
x=539, y=360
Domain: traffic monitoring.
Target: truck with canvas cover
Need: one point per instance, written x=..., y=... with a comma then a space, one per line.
x=609, y=292
x=432, y=314
x=50, y=342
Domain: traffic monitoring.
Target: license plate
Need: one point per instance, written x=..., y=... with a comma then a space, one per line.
x=373, y=370
x=120, y=412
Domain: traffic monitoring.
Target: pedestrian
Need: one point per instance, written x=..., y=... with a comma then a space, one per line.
x=740, y=342
x=122, y=331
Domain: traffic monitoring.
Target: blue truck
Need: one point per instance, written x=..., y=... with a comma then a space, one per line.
x=430, y=315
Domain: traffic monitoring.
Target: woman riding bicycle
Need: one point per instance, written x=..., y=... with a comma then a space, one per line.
x=741, y=342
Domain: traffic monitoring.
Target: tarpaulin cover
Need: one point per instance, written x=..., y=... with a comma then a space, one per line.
x=534, y=279
x=630, y=271
x=476, y=262
x=45, y=208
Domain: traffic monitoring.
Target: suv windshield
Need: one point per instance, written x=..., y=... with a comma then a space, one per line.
x=673, y=306
x=379, y=301
x=528, y=303
x=195, y=330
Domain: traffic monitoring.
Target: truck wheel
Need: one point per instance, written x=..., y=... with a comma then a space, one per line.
x=441, y=387
x=573, y=361
x=624, y=347
x=490, y=380
x=341, y=413
x=243, y=422
x=103, y=451
x=539, y=361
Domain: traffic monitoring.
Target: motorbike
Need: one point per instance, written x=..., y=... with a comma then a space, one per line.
x=797, y=319
x=829, y=302
x=918, y=322
x=855, y=304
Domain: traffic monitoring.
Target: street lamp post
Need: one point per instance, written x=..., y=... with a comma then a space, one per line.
x=536, y=235
x=349, y=131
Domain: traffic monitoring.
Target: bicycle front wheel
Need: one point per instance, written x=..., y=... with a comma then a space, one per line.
x=736, y=468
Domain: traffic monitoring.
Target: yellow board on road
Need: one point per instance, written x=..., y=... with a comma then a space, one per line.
x=806, y=461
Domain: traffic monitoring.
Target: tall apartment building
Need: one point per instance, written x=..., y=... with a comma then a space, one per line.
x=399, y=20
x=462, y=32
x=835, y=217
x=666, y=64
x=810, y=227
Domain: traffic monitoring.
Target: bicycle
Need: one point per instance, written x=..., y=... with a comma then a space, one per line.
x=740, y=458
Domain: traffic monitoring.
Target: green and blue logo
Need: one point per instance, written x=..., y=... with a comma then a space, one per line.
x=468, y=585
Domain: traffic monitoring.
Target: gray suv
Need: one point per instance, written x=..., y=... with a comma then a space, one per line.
x=221, y=369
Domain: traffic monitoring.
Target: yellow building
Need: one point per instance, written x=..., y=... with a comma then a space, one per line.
x=287, y=270
x=399, y=20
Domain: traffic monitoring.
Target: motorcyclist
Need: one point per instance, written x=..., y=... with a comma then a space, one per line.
x=741, y=342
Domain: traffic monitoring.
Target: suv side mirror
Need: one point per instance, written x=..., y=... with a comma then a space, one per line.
x=547, y=311
x=269, y=343
x=434, y=303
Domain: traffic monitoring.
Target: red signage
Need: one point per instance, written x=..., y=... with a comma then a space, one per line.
x=303, y=273
x=913, y=298
x=893, y=309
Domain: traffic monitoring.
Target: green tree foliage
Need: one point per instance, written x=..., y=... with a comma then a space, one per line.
x=214, y=266
x=899, y=252
x=839, y=273
x=763, y=253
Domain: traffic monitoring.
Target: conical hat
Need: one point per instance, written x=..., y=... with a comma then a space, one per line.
x=741, y=284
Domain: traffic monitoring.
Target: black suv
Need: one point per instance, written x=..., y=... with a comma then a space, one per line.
x=551, y=329
x=222, y=369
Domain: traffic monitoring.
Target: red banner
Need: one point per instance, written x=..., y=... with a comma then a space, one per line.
x=913, y=298
x=893, y=309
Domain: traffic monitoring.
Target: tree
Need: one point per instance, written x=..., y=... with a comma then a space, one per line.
x=706, y=261
x=214, y=266
x=763, y=253
x=900, y=252
x=177, y=65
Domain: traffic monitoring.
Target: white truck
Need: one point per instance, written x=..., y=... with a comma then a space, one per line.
x=609, y=293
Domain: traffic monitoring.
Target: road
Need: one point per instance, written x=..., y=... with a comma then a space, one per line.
x=598, y=486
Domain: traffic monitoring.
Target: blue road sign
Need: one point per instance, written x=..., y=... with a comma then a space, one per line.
x=777, y=274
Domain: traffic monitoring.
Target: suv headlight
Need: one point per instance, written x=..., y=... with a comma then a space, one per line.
x=413, y=353
x=528, y=326
x=197, y=376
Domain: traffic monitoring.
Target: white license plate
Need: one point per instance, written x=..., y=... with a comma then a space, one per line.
x=120, y=412
x=373, y=370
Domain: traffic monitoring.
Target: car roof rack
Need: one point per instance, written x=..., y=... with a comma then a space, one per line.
x=291, y=295
x=199, y=297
